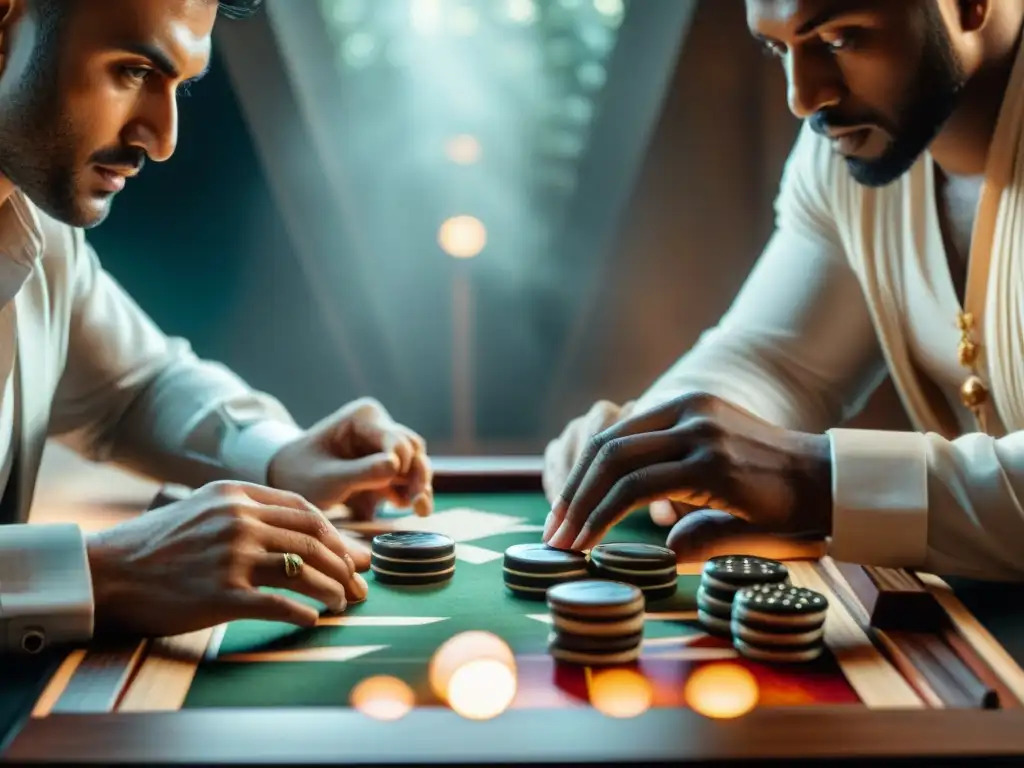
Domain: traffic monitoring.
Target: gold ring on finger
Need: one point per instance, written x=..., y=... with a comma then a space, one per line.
x=292, y=565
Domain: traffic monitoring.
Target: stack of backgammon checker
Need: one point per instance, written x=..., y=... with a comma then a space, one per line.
x=596, y=622
x=750, y=601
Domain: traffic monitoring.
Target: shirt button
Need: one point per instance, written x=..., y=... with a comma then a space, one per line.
x=33, y=640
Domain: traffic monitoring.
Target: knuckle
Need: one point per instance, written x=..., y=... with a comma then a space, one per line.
x=367, y=404
x=222, y=489
x=313, y=548
x=239, y=528
x=631, y=486
x=611, y=452
x=705, y=429
x=319, y=528
x=693, y=401
x=594, y=447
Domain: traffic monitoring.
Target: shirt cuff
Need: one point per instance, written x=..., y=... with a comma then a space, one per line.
x=879, y=498
x=46, y=595
x=248, y=451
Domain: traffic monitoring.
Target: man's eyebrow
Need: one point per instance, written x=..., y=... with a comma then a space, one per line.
x=823, y=16
x=160, y=59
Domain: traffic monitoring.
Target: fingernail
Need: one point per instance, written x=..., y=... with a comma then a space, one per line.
x=549, y=526
x=560, y=539
x=421, y=505
x=339, y=606
x=363, y=587
x=349, y=561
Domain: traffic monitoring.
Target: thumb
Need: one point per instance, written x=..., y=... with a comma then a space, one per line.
x=367, y=473
x=667, y=513
x=708, y=533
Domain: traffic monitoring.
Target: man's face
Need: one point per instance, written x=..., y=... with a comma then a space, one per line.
x=82, y=109
x=880, y=77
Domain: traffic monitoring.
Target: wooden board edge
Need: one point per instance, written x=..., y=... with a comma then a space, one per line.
x=58, y=683
x=162, y=682
x=878, y=683
x=974, y=633
x=90, y=680
x=664, y=736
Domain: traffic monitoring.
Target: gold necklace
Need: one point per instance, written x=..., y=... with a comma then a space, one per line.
x=973, y=392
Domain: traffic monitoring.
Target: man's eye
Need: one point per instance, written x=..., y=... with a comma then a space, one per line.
x=838, y=41
x=136, y=74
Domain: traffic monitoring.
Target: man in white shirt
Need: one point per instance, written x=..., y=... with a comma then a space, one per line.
x=898, y=249
x=88, y=93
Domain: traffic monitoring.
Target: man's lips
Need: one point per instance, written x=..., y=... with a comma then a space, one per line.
x=849, y=141
x=114, y=179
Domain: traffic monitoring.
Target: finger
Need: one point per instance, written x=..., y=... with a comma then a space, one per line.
x=262, y=494
x=648, y=421
x=709, y=533
x=313, y=550
x=419, y=478
x=552, y=475
x=616, y=460
x=269, y=571
x=419, y=443
x=273, y=606
x=631, y=491
x=311, y=523
x=423, y=505
x=368, y=473
x=667, y=513
x=358, y=555
x=363, y=506
x=393, y=440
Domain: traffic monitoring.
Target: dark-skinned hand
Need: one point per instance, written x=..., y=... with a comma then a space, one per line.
x=745, y=476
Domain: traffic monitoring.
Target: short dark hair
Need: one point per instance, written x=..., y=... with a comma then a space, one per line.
x=239, y=9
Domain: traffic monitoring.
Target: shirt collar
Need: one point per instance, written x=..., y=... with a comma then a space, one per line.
x=21, y=244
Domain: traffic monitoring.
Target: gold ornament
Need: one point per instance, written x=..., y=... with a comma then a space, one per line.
x=967, y=353
x=973, y=392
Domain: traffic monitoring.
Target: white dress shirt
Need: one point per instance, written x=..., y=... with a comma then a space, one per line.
x=855, y=284
x=80, y=361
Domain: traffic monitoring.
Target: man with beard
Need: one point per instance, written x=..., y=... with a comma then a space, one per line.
x=88, y=92
x=899, y=249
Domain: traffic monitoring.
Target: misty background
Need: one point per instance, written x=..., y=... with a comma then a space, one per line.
x=485, y=213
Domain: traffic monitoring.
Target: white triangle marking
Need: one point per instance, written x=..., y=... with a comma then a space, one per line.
x=328, y=653
x=378, y=621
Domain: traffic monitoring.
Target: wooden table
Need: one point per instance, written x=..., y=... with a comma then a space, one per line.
x=878, y=696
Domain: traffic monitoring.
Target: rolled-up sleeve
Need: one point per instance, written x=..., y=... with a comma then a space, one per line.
x=131, y=395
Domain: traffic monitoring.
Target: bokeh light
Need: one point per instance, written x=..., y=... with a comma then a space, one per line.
x=620, y=693
x=383, y=698
x=462, y=237
x=722, y=691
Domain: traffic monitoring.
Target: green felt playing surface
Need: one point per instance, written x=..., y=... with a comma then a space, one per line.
x=399, y=628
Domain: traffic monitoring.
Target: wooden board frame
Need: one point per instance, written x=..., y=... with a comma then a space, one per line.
x=92, y=734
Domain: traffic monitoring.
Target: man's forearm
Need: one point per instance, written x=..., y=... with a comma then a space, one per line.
x=194, y=423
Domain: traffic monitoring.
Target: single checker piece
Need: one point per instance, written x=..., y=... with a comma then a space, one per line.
x=412, y=558
x=722, y=577
x=779, y=623
x=649, y=567
x=530, y=570
x=596, y=622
